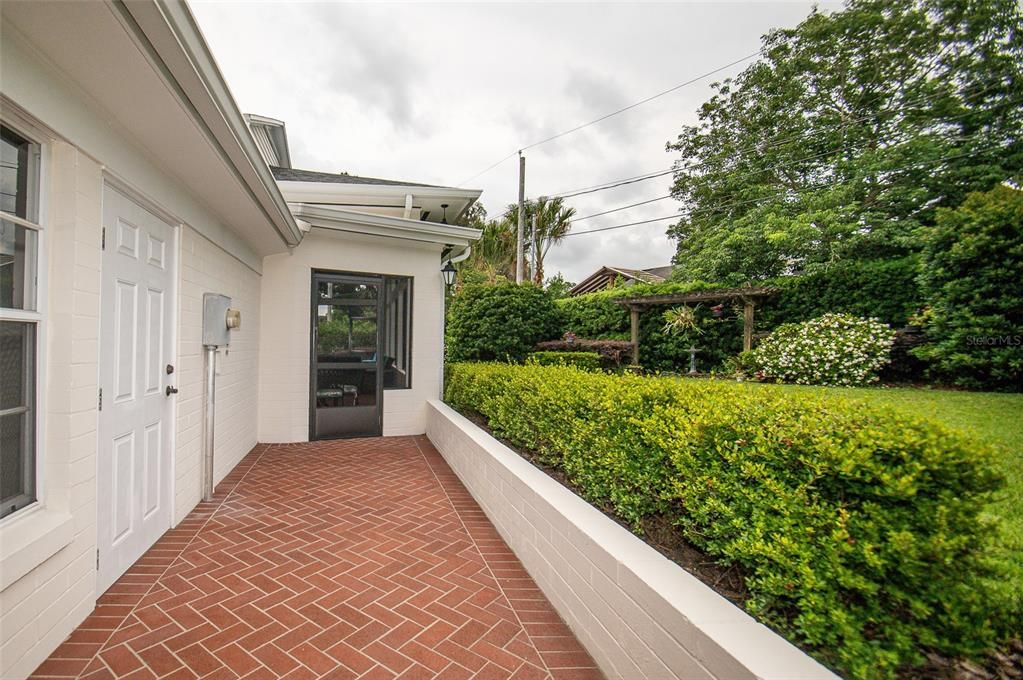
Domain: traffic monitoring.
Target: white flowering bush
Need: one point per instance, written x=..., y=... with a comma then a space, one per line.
x=834, y=349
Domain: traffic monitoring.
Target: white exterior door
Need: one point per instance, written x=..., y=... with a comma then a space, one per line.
x=136, y=417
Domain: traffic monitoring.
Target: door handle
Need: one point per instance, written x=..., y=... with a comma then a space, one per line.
x=171, y=390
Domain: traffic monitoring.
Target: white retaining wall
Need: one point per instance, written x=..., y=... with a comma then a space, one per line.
x=637, y=613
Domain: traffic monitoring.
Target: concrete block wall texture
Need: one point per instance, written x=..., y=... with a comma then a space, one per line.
x=636, y=612
x=284, y=341
x=205, y=267
x=41, y=606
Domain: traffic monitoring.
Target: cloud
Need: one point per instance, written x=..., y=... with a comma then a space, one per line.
x=598, y=96
x=434, y=92
x=373, y=66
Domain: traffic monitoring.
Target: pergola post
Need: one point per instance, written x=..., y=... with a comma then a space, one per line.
x=747, y=325
x=634, y=314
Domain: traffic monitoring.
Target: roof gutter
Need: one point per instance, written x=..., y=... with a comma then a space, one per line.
x=167, y=31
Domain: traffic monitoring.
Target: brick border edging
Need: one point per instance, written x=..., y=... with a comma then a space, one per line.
x=635, y=611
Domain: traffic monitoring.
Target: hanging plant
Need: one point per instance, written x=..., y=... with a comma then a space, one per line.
x=682, y=321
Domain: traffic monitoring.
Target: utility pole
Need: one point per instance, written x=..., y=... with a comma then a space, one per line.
x=519, y=263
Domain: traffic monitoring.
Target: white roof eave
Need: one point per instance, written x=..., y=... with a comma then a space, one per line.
x=170, y=30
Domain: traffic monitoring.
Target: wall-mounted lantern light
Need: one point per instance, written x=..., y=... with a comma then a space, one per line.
x=449, y=272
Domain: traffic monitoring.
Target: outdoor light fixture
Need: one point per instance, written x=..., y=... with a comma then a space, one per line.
x=444, y=218
x=449, y=274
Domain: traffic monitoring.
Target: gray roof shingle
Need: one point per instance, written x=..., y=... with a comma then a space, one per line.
x=295, y=175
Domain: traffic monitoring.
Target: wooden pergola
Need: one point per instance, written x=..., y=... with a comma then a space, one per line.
x=749, y=297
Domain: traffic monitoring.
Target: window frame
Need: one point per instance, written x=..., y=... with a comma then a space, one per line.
x=408, y=323
x=34, y=208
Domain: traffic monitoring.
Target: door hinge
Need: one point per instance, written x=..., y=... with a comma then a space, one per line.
x=97, y=559
x=100, y=405
x=103, y=240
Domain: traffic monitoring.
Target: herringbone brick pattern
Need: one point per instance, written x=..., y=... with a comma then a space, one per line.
x=357, y=558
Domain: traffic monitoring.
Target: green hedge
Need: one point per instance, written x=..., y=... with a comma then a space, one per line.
x=587, y=361
x=880, y=289
x=972, y=275
x=501, y=321
x=859, y=531
x=595, y=316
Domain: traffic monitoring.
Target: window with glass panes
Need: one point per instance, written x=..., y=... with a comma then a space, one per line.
x=19, y=318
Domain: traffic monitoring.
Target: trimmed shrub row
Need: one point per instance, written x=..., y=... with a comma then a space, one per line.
x=860, y=531
x=613, y=353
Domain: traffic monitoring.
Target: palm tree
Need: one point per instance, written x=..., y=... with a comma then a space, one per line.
x=494, y=253
x=553, y=221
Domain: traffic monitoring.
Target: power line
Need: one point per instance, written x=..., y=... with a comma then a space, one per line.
x=483, y=172
x=612, y=186
x=622, y=226
x=768, y=197
x=624, y=207
x=643, y=101
x=615, y=113
x=774, y=143
x=651, y=175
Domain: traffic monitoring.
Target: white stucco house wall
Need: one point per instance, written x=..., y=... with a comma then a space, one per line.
x=131, y=187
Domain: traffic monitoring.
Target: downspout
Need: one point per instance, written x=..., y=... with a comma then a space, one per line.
x=462, y=257
x=208, y=421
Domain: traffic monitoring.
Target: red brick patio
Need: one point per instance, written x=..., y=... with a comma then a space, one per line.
x=358, y=558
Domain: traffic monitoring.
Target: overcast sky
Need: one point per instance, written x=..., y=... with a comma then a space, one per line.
x=435, y=93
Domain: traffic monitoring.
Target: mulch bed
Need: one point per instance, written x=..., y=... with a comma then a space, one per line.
x=730, y=581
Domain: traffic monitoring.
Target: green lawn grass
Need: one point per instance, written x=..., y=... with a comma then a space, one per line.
x=996, y=418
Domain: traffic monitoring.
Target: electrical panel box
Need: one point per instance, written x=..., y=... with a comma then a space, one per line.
x=215, y=330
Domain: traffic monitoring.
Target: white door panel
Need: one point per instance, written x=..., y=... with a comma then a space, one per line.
x=135, y=424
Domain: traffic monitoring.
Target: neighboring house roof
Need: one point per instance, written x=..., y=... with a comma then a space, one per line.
x=295, y=175
x=663, y=272
x=605, y=278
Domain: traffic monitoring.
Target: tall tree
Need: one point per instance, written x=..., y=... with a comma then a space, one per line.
x=558, y=287
x=848, y=134
x=493, y=256
x=553, y=222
